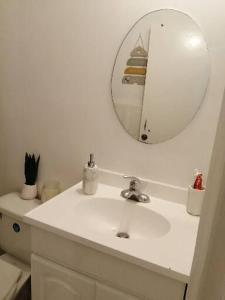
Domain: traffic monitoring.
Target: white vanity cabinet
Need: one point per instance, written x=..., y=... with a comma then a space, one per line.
x=107, y=293
x=66, y=270
x=81, y=256
x=51, y=281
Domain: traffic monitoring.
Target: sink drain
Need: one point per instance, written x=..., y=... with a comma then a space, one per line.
x=123, y=235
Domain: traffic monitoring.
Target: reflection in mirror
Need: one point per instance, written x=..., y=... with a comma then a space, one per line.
x=160, y=76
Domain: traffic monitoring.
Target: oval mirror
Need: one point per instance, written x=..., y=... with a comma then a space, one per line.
x=160, y=76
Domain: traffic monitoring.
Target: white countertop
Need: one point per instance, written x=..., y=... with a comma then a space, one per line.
x=170, y=255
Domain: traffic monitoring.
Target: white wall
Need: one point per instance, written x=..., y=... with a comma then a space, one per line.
x=208, y=271
x=213, y=283
x=56, y=59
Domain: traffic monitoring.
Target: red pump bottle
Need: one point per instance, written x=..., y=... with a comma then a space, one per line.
x=198, y=182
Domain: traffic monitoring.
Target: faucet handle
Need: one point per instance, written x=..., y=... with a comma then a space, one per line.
x=134, y=182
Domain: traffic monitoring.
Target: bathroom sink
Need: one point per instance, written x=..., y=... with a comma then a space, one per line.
x=111, y=216
x=149, y=235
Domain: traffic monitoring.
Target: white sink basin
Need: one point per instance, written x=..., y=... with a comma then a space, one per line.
x=108, y=216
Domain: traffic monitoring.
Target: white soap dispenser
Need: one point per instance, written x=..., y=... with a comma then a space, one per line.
x=90, y=177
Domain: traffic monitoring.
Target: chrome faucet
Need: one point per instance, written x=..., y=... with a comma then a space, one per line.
x=134, y=192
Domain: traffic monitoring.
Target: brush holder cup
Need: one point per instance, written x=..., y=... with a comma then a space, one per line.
x=195, y=200
x=29, y=192
x=50, y=190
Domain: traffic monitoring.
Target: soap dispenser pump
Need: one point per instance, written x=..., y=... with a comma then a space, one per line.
x=90, y=177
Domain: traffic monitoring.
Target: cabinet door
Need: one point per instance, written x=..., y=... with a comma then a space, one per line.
x=53, y=282
x=107, y=293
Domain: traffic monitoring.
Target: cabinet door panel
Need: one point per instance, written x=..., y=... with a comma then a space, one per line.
x=107, y=293
x=54, y=282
